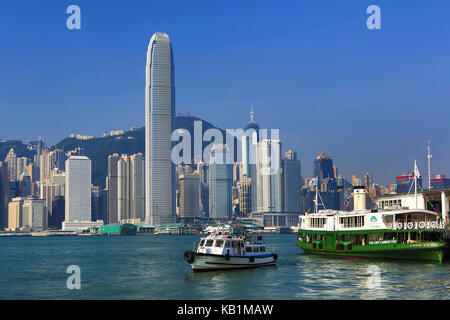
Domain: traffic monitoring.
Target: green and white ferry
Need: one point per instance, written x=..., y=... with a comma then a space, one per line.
x=413, y=234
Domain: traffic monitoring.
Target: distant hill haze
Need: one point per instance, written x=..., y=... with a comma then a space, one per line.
x=98, y=149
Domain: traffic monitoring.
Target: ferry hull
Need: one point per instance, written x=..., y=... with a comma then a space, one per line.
x=438, y=252
x=210, y=262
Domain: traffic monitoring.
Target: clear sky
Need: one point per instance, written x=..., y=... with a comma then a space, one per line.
x=370, y=99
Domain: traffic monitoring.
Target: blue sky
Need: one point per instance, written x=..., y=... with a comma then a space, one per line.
x=368, y=98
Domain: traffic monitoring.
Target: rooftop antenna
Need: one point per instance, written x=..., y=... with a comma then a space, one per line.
x=429, y=156
x=251, y=113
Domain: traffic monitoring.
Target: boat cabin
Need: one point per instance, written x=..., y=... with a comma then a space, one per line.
x=233, y=245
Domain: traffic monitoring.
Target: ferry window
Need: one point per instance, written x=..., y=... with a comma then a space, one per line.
x=219, y=243
x=209, y=243
x=248, y=249
x=255, y=249
x=375, y=236
x=430, y=237
x=389, y=236
x=262, y=249
x=227, y=244
x=202, y=243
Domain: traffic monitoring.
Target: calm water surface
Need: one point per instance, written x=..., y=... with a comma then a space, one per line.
x=152, y=267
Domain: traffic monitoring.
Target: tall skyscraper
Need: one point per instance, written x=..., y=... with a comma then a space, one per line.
x=368, y=179
x=11, y=160
x=292, y=182
x=112, y=181
x=159, y=122
x=245, y=205
x=78, y=189
x=323, y=167
x=203, y=171
x=4, y=196
x=130, y=187
x=220, y=181
x=21, y=166
x=269, y=176
x=189, y=195
x=249, y=142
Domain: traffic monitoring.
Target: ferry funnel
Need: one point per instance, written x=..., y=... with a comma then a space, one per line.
x=359, y=198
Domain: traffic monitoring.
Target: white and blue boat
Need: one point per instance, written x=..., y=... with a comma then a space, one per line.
x=219, y=251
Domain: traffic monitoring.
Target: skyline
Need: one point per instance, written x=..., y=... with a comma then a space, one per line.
x=324, y=76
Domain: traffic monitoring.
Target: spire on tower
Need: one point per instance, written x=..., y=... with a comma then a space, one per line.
x=251, y=113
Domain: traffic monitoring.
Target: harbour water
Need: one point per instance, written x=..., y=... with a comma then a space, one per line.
x=152, y=267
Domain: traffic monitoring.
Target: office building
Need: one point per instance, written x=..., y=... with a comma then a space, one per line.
x=189, y=195
x=245, y=196
x=4, y=195
x=11, y=161
x=78, y=193
x=269, y=176
x=292, y=182
x=160, y=176
x=202, y=170
x=220, y=181
x=323, y=167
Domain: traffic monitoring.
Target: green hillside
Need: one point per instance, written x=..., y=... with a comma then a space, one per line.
x=130, y=142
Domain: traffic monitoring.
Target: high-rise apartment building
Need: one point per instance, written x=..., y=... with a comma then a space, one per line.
x=130, y=187
x=160, y=176
x=112, y=181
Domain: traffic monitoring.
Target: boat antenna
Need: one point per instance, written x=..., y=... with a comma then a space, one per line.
x=316, y=205
x=416, y=173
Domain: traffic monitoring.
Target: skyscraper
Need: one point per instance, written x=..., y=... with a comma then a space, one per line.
x=292, y=182
x=249, y=142
x=78, y=189
x=11, y=160
x=130, y=187
x=113, y=215
x=323, y=167
x=220, y=181
x=368, y=180
x=189, y=195
x=159, y=123
x=269, y=176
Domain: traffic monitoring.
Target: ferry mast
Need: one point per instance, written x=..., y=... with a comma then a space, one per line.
x=429, y=156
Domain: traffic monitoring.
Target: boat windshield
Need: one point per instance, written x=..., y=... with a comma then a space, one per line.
x=209, y=243
x=219, y=243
